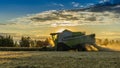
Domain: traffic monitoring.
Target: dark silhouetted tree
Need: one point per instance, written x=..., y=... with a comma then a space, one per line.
x=32, y=43
x=46, y=42
x=25, y=42
x=39, y=43
x=6, y=41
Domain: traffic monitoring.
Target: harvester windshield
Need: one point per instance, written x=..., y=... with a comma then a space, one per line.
x=54, y=37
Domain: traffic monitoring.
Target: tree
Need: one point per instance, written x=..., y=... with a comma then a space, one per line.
x=32, y=43
x=6, y=41
x=25, y=42
x=106, y=42
x=39, y=43
x=10, y=41
x=46, y=42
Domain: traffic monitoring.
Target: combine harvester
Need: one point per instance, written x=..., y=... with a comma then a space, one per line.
x=68, y=40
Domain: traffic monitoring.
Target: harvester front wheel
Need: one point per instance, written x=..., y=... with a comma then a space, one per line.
x=81, y=47
x=62, y=47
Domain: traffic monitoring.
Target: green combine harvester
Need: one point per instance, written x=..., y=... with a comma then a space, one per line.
x=68, y=40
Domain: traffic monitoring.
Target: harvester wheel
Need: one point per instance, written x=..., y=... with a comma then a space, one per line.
x=81, y=47
x=62, y=47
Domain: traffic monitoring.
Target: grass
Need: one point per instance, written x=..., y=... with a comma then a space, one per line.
x=25, y=49
x=37, y=59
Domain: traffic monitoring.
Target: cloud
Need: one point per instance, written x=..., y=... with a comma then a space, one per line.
x=106, y=0
x=108, y=33
x=75, y=4
x=55, y=18
x=58, y=4
x=64, y=23
x=90, y=4
x=103, y=1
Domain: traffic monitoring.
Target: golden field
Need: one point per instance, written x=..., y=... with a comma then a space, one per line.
x=70, y=59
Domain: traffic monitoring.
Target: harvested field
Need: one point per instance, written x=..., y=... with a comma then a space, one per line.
x=38, y=59
x=25, y=49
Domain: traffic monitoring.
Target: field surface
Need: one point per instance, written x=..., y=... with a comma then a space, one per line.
x=38, y=59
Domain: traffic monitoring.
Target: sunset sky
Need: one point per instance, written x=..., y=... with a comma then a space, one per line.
x=17, y=8
x=20, y=17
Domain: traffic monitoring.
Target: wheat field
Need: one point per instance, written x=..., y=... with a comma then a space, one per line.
x=71, y=59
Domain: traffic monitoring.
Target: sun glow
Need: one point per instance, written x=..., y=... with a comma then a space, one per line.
x=61, y=30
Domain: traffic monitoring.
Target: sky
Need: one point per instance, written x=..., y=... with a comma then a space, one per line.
x=19, y=16
x=16, y=8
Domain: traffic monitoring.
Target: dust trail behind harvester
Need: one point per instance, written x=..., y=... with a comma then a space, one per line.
x=107, y=48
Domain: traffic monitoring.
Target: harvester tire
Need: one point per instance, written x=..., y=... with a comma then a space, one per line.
x=62, y=47
x=81, y=47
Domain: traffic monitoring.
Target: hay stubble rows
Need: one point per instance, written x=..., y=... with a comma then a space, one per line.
x=37, y=59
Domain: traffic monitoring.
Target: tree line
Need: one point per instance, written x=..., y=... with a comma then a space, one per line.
x=7, y=41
